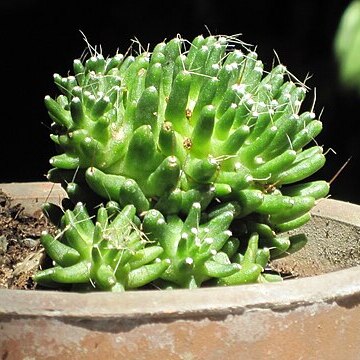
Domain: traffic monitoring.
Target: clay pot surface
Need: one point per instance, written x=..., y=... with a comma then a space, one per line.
x=315, y=316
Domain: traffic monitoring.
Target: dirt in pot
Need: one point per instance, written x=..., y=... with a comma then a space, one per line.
x=20, y=248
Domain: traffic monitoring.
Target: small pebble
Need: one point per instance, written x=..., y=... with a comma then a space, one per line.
x=3, y=244
x=29, y=242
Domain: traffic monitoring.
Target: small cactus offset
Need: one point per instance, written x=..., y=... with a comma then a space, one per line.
x=110, y=253
x=202, y=143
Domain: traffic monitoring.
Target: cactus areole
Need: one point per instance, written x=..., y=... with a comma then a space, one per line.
x=183, y=166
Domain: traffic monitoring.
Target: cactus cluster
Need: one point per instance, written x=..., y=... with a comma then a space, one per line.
x=347, y=46
x=189, y=158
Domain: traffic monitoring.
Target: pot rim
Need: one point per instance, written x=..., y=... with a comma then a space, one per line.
x=340, y=288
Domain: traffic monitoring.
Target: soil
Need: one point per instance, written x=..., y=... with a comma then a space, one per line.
x=20, y=248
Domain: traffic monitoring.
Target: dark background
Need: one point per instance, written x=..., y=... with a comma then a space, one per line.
x=41, y=37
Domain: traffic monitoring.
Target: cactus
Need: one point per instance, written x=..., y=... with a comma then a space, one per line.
x=203, y=123
x=185, y=136
x=110, y=254
x=347, y=46
x=118, y=252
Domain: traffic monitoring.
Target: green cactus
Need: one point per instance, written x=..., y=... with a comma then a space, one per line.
x=208, y=151
x=192, y=245
x=203, y=123
x=347, y=46
x=117, y=252
x=108, y=254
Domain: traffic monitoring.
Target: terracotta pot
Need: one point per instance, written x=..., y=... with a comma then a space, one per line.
x=315, y=316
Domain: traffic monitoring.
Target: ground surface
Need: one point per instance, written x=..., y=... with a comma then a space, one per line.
x=20, y=248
